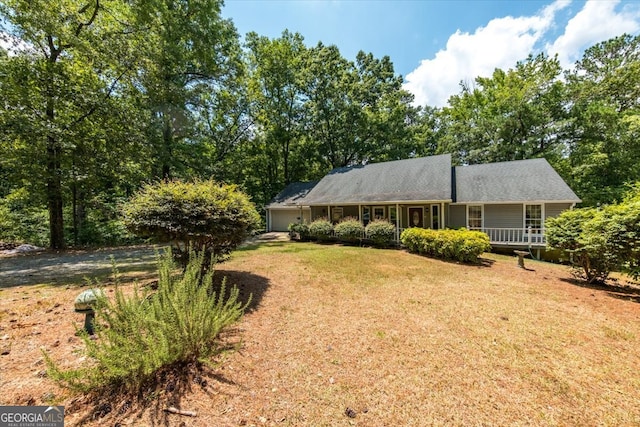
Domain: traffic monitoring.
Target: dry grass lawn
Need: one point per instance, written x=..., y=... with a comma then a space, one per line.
x=357, y=336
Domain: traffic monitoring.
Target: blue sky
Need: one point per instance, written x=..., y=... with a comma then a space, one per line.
x=434, y=44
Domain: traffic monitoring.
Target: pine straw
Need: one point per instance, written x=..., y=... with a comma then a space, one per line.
x=357, y=336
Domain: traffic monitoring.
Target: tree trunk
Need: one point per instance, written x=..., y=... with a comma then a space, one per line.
x=54, y=194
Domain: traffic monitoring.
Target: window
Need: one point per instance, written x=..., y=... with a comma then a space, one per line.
x=393, y=215
x=336, y=214
x=366, y=215
x=474, y=217
x=435, y=217
x=533, y=218
x=378, y=212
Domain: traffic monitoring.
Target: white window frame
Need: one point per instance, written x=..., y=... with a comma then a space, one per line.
x=524, y=217
x=481, y=215
x=391, y=217
x=384, y=212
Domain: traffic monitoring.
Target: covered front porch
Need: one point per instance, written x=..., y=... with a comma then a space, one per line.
x=423, y=214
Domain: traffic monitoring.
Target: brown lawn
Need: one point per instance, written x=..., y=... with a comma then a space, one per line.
x=357, y=336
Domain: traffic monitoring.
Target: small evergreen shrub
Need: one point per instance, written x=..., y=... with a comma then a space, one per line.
x=202, y=214
x=459, y=245
x=139, y=335
x=381, y=232
x=299, y=231
x=321, y=229
x=349, y=230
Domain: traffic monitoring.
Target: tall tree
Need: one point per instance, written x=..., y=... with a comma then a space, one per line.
x=512, y=115
x=357, y=112
x=72, y=59
x=275, y=90
x=604, y=146
x=190, y=55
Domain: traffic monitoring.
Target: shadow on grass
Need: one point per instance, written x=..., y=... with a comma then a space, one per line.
x=165, y=390
x=613, y=289
x=249, y=285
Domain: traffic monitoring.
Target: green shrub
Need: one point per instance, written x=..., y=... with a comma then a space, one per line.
x=139, y=335
x=381, y=232
x=566, y=233
x=202, y=214
x=599, y=241
x=458, y=245
x=321, y=229
x=349, y=230
x=22, y=221
x=299, y=231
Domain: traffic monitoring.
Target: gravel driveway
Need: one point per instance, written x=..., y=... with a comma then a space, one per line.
x=65, y=267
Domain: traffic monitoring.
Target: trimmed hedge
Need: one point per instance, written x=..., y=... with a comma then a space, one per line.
x=380, y=232
x=321, y=229
x=349, y=230
x=459, y=245
x=299, y=231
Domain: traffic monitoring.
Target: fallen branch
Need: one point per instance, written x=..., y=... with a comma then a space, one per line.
x=174, y=410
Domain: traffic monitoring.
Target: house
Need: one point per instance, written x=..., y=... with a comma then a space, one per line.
x=284, y=209
x=507, y=200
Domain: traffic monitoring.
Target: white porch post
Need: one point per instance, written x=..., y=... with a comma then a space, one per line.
x=398, y=222
x=360, y=213
x=329, y=212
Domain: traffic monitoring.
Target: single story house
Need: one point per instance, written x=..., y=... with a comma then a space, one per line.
x=507, y=200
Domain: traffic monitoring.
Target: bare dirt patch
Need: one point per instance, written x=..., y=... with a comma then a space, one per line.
x=357, y=336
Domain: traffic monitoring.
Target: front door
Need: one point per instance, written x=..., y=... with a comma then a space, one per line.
x=416, y=217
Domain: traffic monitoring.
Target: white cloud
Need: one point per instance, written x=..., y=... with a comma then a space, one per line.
x=596, y=22
x=505, y=41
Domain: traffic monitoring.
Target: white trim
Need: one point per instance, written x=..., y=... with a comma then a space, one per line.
x=511, y=202
x=409, y=223
x=378, y=202
x=466, y=214
x=524, y=214
x=384, y=211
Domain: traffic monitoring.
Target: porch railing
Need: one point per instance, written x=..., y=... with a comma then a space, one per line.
x=515, y=236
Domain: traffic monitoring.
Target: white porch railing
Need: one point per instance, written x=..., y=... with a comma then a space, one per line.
x=515, y=236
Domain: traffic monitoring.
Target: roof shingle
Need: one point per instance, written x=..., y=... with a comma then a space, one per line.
x=515, y=181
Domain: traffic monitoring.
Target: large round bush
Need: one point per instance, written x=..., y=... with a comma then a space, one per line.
x=204, y=214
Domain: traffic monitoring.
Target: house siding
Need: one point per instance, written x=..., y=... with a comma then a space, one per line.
x=555, y=209
x=457, y=216
x=503, y=216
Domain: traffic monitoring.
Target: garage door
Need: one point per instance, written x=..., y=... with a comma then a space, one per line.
x=280, y=219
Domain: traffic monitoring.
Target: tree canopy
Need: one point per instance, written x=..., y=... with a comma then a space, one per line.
x=101, y=97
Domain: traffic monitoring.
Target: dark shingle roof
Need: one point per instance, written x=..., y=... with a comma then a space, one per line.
x=516, y=181
x=418, y=179
x=291, y=194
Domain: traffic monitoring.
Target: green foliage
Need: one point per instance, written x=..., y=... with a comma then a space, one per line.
x=599, y=241
x=349, y=230
x=203, y=214
x=321, y=229
x=381, y=232
x=459, y=245
x=138, y=335
x=21, y=221
x=299, y=231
